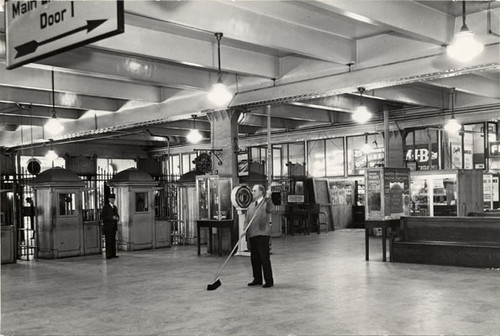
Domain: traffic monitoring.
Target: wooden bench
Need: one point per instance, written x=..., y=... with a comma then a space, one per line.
x=490, y=213
x=453, y=241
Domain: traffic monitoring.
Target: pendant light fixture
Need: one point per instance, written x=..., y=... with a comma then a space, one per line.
x=361, y=114
x=464, y=47
x=452, y=125
x=53, y=126
x=51, y=154
x=366, y=148
x=219, y=94
x=194, y=136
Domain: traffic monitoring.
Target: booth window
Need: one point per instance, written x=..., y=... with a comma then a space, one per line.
x=277, y=158
x=422, y=146
x=474, y=146
x=257, y=160
x=188, y=162
x=493, y=146
x=174, y=165
x=67, y=204
x=296, y=159
x=141, y=202
x=316, y=158
x=335, y=162
x=364, y=151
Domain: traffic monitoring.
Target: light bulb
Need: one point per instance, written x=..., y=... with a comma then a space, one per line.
x=194, y=136
x=452, y=126
x=366, y=148
x=51, y=155
x=54, y=126
x=219, y=94
x=361, y=114
x=464, y=46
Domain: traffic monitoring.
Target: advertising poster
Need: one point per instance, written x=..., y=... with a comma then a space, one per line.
x=396, y=192
x=373, y=197
x=456, y=155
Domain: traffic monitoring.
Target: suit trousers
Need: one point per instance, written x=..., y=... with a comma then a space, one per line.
x=260, y=255
x=110, y=238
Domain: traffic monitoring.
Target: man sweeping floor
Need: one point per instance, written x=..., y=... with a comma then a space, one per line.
x=259, y=235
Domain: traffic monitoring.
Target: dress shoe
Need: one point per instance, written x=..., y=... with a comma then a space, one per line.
x=254, y=283
x=116, y=257
x=267, y=285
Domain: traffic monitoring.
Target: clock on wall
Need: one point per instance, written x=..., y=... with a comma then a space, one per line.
x=203, y=163
x=34, y=166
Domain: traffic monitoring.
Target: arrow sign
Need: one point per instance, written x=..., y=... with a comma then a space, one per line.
x=31, y=46
x=70, y=24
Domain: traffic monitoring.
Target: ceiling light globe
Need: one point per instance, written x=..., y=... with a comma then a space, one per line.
x=194, y=136
x=452, y=126
x=54, y=126
x=51, y=155
x=361, y=114
x=219, y=94
x=464, y=46
x=366, y=149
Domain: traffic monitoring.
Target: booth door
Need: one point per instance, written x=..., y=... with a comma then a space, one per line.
x=68, y=225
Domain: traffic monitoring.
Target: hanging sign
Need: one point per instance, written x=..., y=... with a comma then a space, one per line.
x=40, y=28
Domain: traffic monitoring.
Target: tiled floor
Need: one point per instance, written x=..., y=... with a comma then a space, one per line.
x=323, y=286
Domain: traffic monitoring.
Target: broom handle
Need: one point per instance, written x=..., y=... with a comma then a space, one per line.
x=239, y=240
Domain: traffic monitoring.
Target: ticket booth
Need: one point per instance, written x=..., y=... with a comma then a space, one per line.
x=135, y=201
x=58, y=193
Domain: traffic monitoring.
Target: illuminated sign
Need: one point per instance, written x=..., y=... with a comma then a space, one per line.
x=495, y=148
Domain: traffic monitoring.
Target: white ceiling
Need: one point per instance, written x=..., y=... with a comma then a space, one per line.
x=294, y=55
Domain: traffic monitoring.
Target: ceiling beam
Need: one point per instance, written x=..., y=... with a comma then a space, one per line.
x=145, y=42
x=300, y=113
x=471, y=83
x=10, y=94
x=8, y=128
x=248, y=27
x=300, y=13
x=16, y=120
x=202, y=125
x=276, y=122
x=343, y=103
x=37, y=78
x=405, y=72
x=409, y=18
x=40, y=112
x=411, y=95
x=125, y=67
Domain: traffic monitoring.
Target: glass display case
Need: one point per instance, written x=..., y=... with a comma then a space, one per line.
x=446, y=192
x=387, y=193
x=214, y=197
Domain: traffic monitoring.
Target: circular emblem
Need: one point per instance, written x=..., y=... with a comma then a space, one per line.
x=203, y=163
x=241, y=197
x=34, y=166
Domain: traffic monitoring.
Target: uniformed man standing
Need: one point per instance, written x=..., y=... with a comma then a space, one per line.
x=110, y=219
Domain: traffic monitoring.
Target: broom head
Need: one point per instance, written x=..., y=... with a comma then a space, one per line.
x=214, y=286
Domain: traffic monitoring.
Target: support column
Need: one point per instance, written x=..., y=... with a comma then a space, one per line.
x=387, y=135
x=224, y=136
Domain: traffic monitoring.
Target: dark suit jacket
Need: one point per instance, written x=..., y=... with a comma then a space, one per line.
x=109, y=225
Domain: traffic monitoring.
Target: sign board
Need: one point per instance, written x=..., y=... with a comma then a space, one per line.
x=494, y=148
x=421, y=154
x=295, y=199
x=40, y=28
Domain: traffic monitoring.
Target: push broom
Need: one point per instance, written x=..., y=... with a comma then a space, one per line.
x=216, y=283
